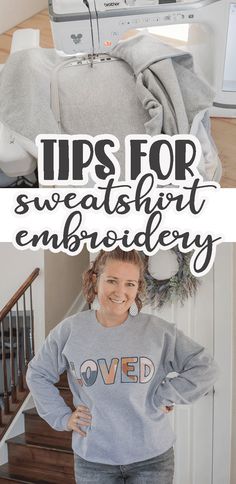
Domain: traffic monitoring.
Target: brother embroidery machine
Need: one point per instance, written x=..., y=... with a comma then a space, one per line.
x=211, y=38
x=93, y=27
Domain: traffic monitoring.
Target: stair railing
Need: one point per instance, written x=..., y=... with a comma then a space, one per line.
x=16, y=343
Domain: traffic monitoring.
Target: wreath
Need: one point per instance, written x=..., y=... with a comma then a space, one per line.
x=177, y=288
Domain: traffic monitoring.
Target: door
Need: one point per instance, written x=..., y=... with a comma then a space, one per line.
x=202, y=449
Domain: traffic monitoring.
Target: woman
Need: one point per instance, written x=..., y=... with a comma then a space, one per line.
x=117, y=365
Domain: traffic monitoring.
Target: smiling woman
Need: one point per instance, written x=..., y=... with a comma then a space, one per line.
x=116, y=293
x=118, y=368
x=117, y=286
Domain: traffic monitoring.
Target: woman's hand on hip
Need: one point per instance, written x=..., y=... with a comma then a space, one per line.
x=167, y=408
x=81, y=417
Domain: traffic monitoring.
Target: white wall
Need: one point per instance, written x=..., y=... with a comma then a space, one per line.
x=63, y=283
x=15, y=266
x=13, y=12
x=233, y=449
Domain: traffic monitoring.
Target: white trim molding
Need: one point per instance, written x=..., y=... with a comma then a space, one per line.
x=223, y=351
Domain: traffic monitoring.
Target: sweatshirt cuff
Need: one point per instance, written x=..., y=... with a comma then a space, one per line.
x=64, y=422
x=161, y=396
x=158, y=402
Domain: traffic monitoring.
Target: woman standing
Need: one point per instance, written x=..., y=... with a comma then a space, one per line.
x=118, y=365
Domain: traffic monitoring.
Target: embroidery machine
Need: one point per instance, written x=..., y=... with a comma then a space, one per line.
x=95, y=26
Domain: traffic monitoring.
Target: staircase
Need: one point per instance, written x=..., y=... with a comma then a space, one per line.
x=14, y=406
x=40, y=455
x=16, y=350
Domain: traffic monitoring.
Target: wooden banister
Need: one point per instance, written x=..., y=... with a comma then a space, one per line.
x=16, y=349
x=19, y=293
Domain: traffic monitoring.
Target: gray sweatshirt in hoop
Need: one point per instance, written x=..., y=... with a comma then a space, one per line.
x=120, y=373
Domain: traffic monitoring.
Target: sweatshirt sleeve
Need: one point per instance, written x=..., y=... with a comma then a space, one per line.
x=43, y=372
x=196, y=372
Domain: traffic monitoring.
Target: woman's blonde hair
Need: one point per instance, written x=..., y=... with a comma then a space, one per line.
x=97, y=266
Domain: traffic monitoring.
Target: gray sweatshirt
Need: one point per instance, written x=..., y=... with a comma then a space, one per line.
x=120, y=373
x=151, y=87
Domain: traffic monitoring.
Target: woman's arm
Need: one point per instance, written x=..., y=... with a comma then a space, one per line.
x=44, y=371
x=197, y=372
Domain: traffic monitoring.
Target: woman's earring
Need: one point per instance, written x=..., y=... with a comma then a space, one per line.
x=133, y=310
x=96, y=304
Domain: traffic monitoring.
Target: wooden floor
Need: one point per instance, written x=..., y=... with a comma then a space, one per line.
x=223, y=129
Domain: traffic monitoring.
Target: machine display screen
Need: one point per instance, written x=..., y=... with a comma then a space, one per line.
x=229, y=83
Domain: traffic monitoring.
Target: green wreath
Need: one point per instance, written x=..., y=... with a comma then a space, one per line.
x=177, y=288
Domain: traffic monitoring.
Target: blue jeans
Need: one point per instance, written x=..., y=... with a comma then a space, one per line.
x=158, y=470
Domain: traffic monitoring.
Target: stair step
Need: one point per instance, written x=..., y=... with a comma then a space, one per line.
x=37, y=431
x=44, y=463
x=6, y=476
x=14, y=407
